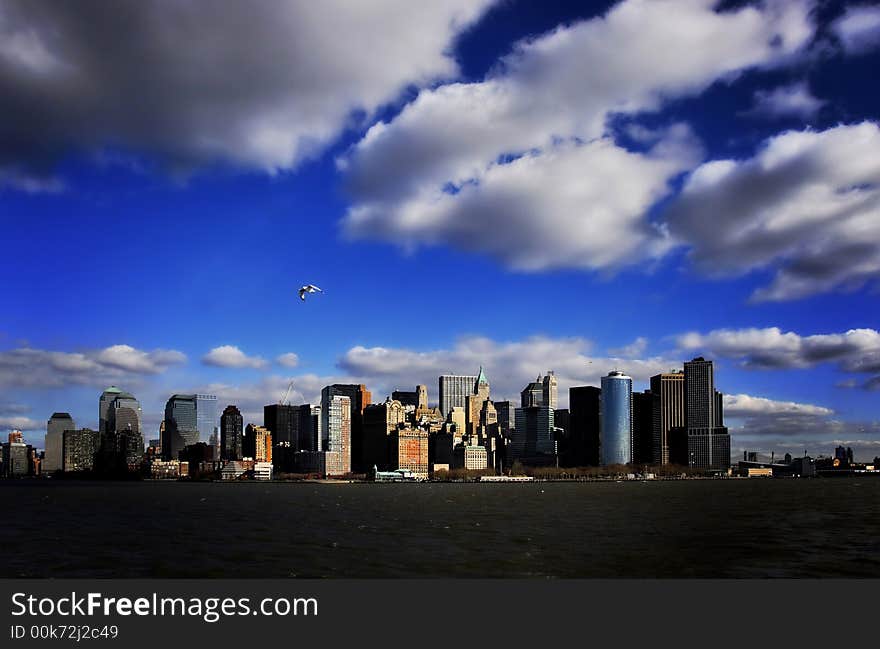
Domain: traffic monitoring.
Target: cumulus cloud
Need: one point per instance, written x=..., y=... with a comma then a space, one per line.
x=19, y=423
x=232, y=356
x=744, y=405
x=794, y=100
x=859, y=28
x=260, y=85
x=508, y=365
x=808, y=203
x=635, y=349
x=288, y=360
x=523, y=166
x=28, y=367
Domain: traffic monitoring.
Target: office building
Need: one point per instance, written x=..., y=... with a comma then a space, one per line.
x=79, y=448
x=53, y=460
x=708, y=441
x=379, y=422
x=533, y=440
x=231, y=434
x=181, y=425
x=206, y=416
x=336, y=431
x=257, y=443
x=359, y=398
x=454, y=389
x=408, y=449
x=15, y=457
x=668, y=411
x=643, y=428
x=406, y=398
x=584, y=432
x=616, y=418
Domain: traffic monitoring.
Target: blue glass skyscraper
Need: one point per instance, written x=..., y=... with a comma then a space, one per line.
x=616, y=418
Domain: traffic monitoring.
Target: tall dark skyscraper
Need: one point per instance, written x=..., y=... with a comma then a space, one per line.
x=643, y=427
x=584, y=405
x=668, y=411
x=283, y=421
x=708, y=442
x=181, y=425
x=231, y=433
x=107, y=397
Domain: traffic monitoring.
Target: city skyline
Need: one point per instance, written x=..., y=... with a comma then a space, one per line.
x=517, y=209
x=621, y=435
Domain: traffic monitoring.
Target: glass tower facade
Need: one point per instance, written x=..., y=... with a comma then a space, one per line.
x=181, y=425
x=206, y=416
x=616, y=418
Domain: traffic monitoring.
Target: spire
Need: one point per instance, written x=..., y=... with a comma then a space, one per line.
x=481, y=377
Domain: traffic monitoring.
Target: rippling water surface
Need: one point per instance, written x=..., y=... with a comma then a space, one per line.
x=713, y=528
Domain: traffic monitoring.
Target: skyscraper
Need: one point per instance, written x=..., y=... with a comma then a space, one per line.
x=549, y=392
x=584, y=434
x=708, y=442
x=616, y=418
x=668, y=411
x=475, y=401
x=643, y=428
x=532, y=440
x=181, y=425
x=257, y=443
x=55, y=427
x=359, y=398
x=283, y=421
x=231, y=432
x=336, y=429
x=206, y=416
x=454, y=390
x=107, y=397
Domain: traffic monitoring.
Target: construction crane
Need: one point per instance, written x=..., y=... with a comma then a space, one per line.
x=286, y=396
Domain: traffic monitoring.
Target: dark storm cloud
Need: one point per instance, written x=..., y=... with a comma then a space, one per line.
x=259, y=84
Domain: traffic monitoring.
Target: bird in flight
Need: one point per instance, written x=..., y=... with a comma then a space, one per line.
x=309, y=288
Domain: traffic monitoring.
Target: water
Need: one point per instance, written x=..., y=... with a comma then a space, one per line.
x=718, y=528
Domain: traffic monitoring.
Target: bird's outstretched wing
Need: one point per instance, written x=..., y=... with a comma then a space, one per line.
x=312, y=288
x=302, y=294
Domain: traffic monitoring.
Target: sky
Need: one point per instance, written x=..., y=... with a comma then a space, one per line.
x=524, y=186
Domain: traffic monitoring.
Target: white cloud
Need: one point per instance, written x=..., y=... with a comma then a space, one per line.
x=28, y=367
x=19, y=423
x=743, y=405
x=522, y=167
x=855, y=351
x=129, y=359
x=859, y=28
x=759, y=419
x=288, y=360
x=261, y=84
x=635, y=349
x=794, y=100
x=509, y=365
x=807, y=204
x=232, y=356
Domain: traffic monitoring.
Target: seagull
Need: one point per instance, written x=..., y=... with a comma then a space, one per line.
x=309, y=288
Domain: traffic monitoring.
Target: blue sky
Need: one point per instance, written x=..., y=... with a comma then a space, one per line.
x=528, y=186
